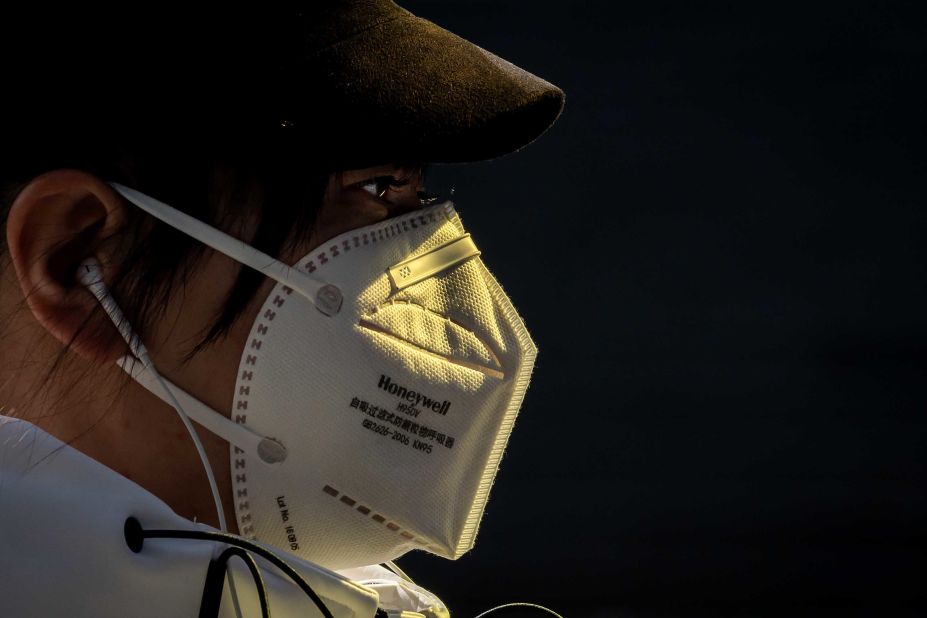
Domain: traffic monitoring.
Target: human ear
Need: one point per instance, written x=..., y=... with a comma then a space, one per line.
x=59, y=219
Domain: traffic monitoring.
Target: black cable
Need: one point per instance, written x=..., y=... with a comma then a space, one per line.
x=510, y=608
x=215, y=583
x=135, y=538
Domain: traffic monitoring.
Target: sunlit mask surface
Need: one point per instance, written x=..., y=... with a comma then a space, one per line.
x=361, y=433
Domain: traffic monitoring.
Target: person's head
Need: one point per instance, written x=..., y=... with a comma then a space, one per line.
x=279, y=167
x=192, y=306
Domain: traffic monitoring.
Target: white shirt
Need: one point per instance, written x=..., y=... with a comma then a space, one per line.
x=63, y=550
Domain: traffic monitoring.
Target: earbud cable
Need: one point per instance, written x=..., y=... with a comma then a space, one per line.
x=89, y=273
x=509, y=608
x=142, y=355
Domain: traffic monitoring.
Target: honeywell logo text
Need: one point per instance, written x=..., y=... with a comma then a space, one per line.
x=413, y=397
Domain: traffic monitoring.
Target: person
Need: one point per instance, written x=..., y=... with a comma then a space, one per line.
x=227, y=218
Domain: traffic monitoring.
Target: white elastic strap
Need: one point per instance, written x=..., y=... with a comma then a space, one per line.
x=266, y=449
x=326, y=297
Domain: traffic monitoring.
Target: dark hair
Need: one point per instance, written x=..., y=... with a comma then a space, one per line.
x=269, y=183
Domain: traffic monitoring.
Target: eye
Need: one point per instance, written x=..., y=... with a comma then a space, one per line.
x=381, y=184
x=371, y=187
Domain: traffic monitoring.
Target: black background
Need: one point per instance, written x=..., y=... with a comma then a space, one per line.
x=719, y=249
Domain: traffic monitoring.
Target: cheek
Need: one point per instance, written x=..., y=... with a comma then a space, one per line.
x=193, y=309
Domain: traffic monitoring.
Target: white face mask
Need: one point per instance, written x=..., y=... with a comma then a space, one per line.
x=366, y=429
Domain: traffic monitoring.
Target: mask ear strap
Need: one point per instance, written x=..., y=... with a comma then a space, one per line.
x=326, y=297
x=266, y=449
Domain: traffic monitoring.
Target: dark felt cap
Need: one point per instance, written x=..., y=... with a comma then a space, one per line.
x=356, y=81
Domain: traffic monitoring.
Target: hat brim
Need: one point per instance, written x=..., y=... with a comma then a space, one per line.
x=407, y=89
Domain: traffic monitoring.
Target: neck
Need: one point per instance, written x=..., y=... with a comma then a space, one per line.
x=100, y=412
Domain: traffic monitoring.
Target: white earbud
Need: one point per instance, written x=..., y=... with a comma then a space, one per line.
x=90, y=275
x=89, y=272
